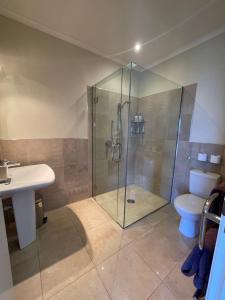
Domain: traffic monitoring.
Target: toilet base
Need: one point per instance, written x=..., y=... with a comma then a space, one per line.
x=189, y=228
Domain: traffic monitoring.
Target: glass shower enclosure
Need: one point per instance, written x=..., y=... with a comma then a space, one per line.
x=135, y=121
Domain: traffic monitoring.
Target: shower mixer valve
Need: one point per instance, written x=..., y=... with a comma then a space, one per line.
x=115, y=148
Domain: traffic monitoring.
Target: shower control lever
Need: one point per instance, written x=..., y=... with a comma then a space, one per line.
x=116, y=152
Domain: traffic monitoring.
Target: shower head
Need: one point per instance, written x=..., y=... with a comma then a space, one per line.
x=121, y=105
x=135, y=67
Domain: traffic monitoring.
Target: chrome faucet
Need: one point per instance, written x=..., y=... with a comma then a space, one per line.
x=8, y=163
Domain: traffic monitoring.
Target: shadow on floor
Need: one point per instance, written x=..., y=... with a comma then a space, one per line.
x=62, y=236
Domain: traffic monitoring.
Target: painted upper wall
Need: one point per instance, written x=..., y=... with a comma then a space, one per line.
x=143, y=83
x=205, y=65
x=43, y=84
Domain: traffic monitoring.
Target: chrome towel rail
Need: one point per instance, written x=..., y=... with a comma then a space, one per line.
x=206, y=215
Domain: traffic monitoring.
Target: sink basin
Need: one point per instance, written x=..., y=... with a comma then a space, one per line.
x=32, y=177
x=24, y=181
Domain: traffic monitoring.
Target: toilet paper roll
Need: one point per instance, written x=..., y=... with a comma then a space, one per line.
x=202, y=156
x=215, y=159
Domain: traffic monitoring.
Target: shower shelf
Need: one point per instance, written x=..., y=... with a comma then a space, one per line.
x=137, y=127
x=137, y=121
x=204, y=162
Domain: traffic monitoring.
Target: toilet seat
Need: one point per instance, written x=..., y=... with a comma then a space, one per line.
x=190, y=204
x=189, y=207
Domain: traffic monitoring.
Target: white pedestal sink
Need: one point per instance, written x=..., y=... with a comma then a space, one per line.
x=24, y=181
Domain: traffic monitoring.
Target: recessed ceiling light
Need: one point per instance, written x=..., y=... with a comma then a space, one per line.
x=137, y=47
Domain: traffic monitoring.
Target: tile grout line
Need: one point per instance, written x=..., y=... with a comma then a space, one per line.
x=162, y=283
x=95, y=265
x=39, y=262
x=94, y=228
x=153, y=291
x=70, y=283
x=73, y=281
x=118, y=253
x=164, y=280
x=147, y=264
x=121, y=247
x=107, y=291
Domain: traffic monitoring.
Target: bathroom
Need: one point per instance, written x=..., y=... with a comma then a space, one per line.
x=120, y=116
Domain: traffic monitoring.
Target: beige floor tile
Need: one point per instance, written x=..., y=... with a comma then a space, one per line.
x=82, y=204
x=82, y=235
x=126, y=276
x=143, y=226
x=87, y=287
x=162, y=293
x=58, y=213
x=159, y=252
x=19, y=256
x=156, y=217
x=63, y=258
x=146, y=202
x=90, y=204
x=180, y=245
x=181, y=286
x=54, y=226
x=56, y=277
x=170, y=224
x=26, y=269
x=87, y=216
x=27, y=281
x=57, y=246
x=103, y=241
x=169, y=209
x=29, y=289
x=135, y=231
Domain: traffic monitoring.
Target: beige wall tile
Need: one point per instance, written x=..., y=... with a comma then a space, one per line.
x=68, y=158
x=184, y=164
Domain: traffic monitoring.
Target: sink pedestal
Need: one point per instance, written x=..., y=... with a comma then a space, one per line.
x=24, y=181
x=25, y=217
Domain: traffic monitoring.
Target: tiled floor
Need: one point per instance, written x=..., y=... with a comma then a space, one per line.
x=145, y=203
x=82, y=254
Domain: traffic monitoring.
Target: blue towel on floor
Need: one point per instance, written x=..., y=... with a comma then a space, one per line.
x=198, y=263
x=191, y=264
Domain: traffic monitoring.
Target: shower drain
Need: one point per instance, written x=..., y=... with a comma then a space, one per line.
x=132, y=201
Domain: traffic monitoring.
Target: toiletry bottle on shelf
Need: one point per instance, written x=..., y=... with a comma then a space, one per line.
x=143, y=128
x=136, y=117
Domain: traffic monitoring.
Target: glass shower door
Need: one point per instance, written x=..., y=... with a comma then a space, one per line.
x=107, y=146
x=135, y=128
x=152, y=141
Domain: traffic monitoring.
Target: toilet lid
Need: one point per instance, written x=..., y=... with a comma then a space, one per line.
x=190, y=203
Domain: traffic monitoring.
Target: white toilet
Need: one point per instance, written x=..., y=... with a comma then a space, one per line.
x=189, y=206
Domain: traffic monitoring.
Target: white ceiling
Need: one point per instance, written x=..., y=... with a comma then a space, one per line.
x=112, y=27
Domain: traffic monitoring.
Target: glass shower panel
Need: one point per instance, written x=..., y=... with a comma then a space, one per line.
x=107, y=145
x=135, y=128
x=123, y=117
x=153, y=128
